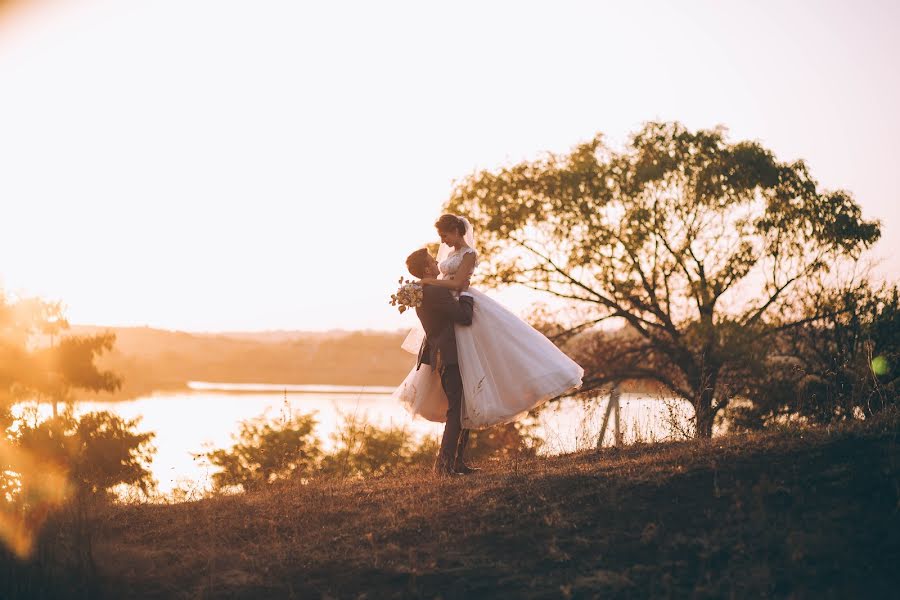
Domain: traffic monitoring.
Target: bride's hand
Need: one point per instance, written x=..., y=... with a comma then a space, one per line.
x=427, y=281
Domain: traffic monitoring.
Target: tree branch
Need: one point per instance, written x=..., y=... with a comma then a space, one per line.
x=636, y=374
x=578, y=328
x=654, y=307
x=758, y=314
x=600, y=299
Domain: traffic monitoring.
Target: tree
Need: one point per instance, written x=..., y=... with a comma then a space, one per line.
x=44, y=464
x=96, y=451
x=697, y=244
x=52, y=370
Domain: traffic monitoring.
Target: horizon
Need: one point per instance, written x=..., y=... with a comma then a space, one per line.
x=269, y=168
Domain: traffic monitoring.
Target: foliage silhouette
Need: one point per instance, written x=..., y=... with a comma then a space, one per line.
x=97, y=451
x=267, y=450
x=824, y=371
x=698, y=244
x=45, y=464
x=366, y=450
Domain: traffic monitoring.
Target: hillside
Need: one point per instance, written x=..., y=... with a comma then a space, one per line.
x=801, y=514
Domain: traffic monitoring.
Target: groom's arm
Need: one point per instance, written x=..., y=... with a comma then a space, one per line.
x=459, y=311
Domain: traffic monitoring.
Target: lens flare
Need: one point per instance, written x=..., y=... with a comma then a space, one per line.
x=44, y=487
x=880, y=365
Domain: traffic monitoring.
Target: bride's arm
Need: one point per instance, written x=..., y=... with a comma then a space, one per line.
x=460, y=280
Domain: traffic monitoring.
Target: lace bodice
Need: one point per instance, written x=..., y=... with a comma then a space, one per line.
x=450, y=265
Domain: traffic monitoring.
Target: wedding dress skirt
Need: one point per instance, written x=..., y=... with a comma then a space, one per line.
x=507, y=368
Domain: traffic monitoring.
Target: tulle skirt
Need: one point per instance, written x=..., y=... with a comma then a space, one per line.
x=507, y=368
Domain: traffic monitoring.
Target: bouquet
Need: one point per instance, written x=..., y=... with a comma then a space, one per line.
x=409, y=295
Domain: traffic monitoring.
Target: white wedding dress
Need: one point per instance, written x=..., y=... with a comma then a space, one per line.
x=507, y=366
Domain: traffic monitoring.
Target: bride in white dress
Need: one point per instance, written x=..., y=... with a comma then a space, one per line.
x=507, y=366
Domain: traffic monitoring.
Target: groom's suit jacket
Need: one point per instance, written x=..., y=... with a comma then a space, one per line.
x=438, y=312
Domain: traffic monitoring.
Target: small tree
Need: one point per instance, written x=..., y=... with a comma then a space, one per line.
x=265, y=451
x=51, y=368
x=96, y=451
x=365, y=450
x=697, y=244
x=44, y=464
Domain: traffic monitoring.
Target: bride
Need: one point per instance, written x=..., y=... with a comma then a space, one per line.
x=507, y=366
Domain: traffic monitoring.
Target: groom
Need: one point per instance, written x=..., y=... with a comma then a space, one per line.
x=438, y=312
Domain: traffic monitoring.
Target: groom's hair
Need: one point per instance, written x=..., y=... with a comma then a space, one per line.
x=417, y=261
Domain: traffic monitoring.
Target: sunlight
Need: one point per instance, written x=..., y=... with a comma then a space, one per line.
x=211, y=185
x=680, y=225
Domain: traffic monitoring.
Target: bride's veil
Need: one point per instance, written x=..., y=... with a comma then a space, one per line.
x=416, y=336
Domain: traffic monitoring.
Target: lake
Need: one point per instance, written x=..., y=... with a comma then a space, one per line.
x=207, y=415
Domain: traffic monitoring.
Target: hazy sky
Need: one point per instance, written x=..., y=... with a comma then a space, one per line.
x=259, y=165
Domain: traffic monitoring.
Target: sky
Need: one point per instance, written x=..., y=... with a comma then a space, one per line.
x=221, y=166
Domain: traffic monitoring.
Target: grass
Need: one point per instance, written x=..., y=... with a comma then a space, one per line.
x=798, y=513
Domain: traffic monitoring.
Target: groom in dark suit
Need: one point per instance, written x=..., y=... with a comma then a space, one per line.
x=438, y=313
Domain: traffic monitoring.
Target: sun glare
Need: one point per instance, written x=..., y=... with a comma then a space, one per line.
x=271, y=167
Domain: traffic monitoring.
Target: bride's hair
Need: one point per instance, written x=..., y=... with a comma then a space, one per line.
x=449, y=223
x=417, y=261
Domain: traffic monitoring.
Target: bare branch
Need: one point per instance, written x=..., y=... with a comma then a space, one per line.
x=638, y=374
x=758, y=314
x=599, y=298
x=578, y=328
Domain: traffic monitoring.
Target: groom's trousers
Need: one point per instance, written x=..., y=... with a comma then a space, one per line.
x=452, y=384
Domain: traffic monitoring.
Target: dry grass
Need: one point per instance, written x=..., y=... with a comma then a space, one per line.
x=807, y=514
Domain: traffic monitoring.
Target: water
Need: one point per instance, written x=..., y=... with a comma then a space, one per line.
x=207, y=415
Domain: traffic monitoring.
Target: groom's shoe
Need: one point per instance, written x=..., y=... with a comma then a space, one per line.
x=464, y=469
x=459, y=465
x=442, y=473
x=442, y=468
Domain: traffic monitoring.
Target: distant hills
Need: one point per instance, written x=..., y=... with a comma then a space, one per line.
x=157, y=359
x=154, y=359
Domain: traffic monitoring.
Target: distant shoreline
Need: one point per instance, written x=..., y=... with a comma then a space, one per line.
x=152, y=360
x=276, y=388
x=242, y=388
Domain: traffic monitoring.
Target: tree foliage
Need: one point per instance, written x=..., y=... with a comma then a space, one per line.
x=39, y=362
x=267, y=450
x=841, y=367
x=505, y=441
x=365, y=450
x=96, y=451
x=43, y=464
x=699, y=245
